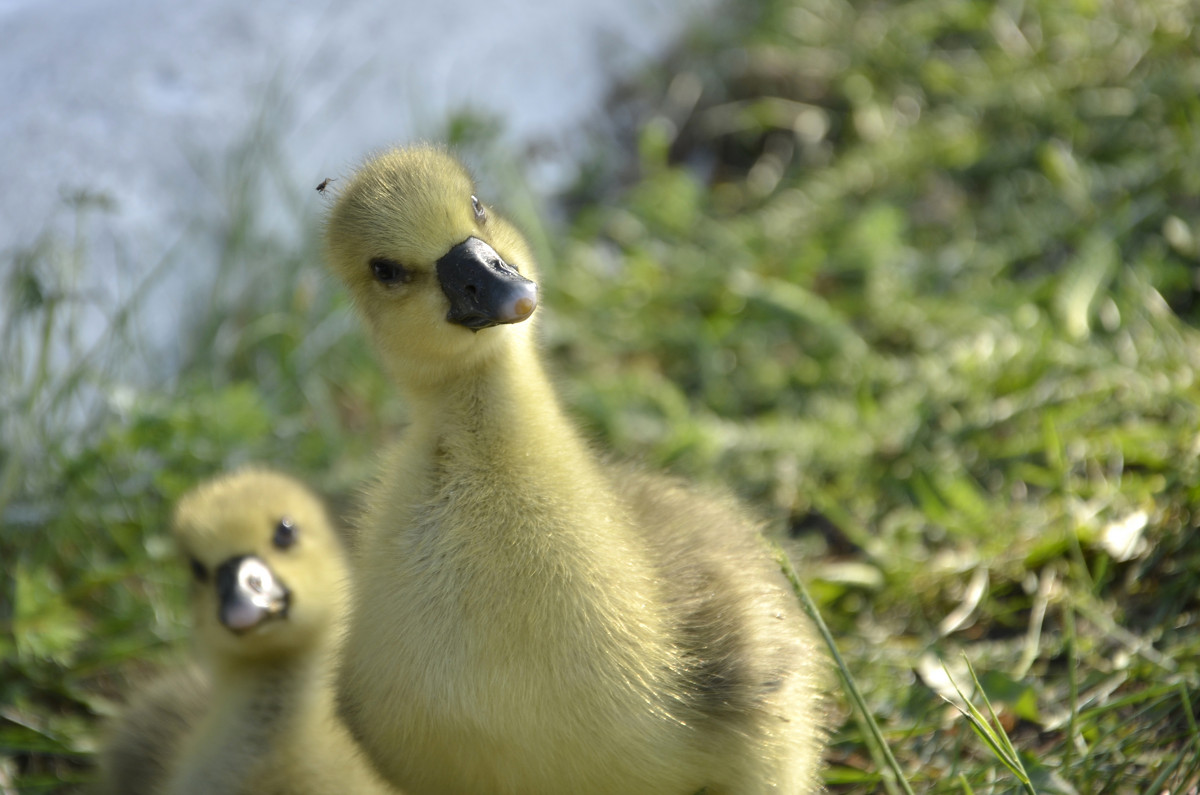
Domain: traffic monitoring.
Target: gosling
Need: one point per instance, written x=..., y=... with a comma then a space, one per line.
x=267, y=601
x=527, y=619
x=140, y=747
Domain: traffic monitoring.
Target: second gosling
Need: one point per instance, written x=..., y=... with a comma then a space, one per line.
x=267, y=599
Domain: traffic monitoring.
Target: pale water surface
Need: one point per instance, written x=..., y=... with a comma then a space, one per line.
x=144, y=102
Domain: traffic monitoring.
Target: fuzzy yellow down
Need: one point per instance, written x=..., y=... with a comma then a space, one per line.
x=528, y=619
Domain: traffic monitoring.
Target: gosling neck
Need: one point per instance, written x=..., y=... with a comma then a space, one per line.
x=279, y=694
x=532, y=510
x=502, y=389
x=288, y=674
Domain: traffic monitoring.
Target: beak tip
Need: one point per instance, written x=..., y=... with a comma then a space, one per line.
x=523, y=308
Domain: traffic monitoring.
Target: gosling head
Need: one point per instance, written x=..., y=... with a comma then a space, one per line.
x=267, y=566
x=437, y=276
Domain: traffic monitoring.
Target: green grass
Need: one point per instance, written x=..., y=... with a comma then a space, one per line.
x=918, y=279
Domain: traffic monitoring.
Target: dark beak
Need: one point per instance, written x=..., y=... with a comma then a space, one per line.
x=483, y=289
x=249, y=593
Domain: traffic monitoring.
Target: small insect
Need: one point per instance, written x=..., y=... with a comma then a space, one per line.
x=325, y=184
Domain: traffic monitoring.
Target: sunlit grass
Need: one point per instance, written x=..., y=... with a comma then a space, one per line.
x=917, y=279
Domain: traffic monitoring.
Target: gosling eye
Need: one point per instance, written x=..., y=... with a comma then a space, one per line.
x=198, y=570
x=480, y=212
x=388, y=272
x=285, y=533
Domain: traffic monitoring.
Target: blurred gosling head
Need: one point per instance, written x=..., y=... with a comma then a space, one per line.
x=267, y=566
x=437, y=276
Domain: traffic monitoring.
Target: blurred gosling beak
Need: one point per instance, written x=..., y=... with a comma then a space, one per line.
x=248, y=593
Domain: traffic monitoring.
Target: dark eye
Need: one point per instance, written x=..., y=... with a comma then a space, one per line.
x=480, y=213
x=389, y=272
x=285, y=534
x=198, y=570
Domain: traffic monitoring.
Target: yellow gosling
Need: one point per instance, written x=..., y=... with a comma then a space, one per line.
x=268, y=599
x=526, y=619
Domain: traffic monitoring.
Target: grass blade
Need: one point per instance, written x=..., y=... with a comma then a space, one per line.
x=856, y=695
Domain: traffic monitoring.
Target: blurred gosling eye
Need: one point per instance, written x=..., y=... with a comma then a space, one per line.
x=388, y=272
x=198, y=570
x=285, y=534
x=480, y=213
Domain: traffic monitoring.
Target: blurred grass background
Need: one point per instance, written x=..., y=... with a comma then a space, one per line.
x=916, y=278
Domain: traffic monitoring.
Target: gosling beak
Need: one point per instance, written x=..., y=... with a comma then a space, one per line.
x=248, y=593
x=483, y=289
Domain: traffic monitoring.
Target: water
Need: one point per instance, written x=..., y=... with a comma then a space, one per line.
x=143, y=102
